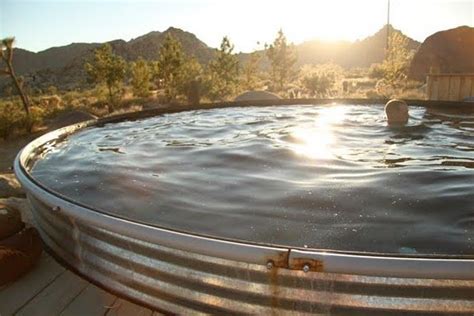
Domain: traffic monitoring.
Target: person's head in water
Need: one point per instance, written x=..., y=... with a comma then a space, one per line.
x=396, y=112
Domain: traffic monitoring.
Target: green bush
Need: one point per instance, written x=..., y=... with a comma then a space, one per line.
x=12, y=118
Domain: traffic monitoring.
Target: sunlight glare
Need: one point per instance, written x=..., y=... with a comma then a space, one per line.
x=317, y=141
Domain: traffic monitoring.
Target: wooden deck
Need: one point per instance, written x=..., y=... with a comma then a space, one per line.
x=50, y=289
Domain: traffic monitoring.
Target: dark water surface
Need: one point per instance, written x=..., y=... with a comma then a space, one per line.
x=325, y=177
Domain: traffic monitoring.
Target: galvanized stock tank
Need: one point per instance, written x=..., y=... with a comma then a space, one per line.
x=184, y=273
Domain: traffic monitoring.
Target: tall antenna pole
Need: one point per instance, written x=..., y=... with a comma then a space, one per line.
x=388, y=25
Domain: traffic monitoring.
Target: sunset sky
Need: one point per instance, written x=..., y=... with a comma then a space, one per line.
x=38, y=25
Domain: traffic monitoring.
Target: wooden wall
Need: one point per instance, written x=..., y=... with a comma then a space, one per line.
x=450, y=87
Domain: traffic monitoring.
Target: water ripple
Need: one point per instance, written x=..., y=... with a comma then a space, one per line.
x=333, y=177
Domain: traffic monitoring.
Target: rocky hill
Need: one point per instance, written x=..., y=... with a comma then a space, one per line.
x=64, y=66
x=450, y=51
x=361, y=53
x=146, y=46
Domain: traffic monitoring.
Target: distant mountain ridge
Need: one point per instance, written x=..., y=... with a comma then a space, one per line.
x=146, y=46
x=64, y=66
x=361, y=53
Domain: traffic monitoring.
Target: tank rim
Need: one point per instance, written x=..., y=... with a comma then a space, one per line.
x=319, y=260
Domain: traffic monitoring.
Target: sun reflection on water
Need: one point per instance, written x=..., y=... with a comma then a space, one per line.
x=316, y=141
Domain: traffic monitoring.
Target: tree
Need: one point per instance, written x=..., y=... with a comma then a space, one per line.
x=6, y=55
x=109, y=69
x=250, y=72
x=141, y=76
x=223, y=72
x=397, y=59
x=170, y=65
x=189, y=82
x=282, y=58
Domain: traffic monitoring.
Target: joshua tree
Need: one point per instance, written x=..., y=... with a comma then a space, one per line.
x=6, y=54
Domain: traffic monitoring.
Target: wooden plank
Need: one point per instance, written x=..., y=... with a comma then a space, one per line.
x=454, y=88
x=429, y=86
x=17, y=294
x=92, y=301
x=434, y=89
x=472, y=86
x=443, y=88
x=465, y=89
x=54, y=298
x=126, y=308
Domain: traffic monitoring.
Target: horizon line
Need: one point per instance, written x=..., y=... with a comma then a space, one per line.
x=314, y=39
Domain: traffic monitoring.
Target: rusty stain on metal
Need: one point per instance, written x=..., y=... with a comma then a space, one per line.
x=281, y=261
x=274, y=289
x=307, y=265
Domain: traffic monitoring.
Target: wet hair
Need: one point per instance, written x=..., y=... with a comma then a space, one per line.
x=396, y=112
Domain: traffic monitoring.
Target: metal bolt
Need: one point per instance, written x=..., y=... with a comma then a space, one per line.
x=306, y=268
x=56, y=209
x=270, y=265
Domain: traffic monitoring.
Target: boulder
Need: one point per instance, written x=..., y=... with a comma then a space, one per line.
x=9, y=186
x=18, y=254
x=449, y=51
x=10, y=221
x=256, y=95
x=21, y=205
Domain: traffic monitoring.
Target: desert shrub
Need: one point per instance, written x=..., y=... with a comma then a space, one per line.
x=50, y=105
x=376, y=71
x=373, y=94
x=413, y=84
x=320, y=80
x=355, y=73
x=70, y=96
x=13, y=118
x=401, y=89
x=413, y=94
x=37, y=115
x=10, y=118
x=52, y=90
